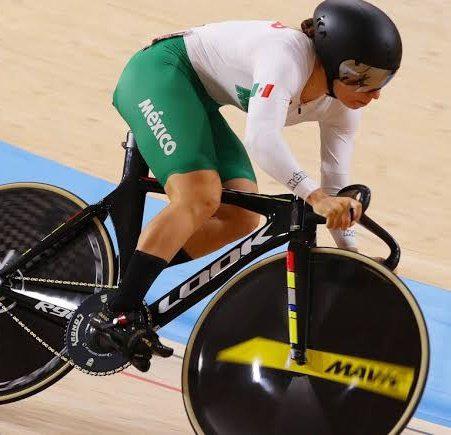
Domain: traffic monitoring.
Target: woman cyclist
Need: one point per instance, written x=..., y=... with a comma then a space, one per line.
x=170, y=94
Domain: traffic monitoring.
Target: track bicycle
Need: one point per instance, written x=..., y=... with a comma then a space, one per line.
x=313, y=340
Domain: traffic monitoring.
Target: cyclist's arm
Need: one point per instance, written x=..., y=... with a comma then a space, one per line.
x=277, y=79
x=337, y=146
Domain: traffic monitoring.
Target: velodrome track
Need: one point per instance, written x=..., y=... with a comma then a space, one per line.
x=59, y=62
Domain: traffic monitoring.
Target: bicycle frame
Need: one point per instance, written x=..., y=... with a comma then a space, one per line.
x=288, y=219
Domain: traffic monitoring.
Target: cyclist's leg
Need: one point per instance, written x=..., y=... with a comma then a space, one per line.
x=235, y=169
x=161, y=102
x=159, y=96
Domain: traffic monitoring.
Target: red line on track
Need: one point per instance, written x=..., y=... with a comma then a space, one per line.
x=158, y=384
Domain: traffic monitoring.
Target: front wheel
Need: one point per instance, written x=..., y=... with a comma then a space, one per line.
x=368, y=353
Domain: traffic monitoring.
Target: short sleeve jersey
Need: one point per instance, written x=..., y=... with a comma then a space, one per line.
x=262, y=67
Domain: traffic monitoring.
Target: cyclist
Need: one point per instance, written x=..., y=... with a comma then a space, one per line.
x=170, y=94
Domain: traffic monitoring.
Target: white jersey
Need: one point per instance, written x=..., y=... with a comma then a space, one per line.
x=262, y=67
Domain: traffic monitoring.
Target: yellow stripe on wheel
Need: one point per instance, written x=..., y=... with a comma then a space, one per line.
x=378, y=377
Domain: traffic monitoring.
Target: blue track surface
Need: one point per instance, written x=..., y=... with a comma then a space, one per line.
x=18, y=165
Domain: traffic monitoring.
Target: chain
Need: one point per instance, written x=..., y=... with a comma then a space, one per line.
x=60, y=282
x=42, y=342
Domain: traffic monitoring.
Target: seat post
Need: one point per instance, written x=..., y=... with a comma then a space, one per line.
x=134, y=164
x=127, y=202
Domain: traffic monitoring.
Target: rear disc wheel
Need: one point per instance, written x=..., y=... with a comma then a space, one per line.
x=28, y=213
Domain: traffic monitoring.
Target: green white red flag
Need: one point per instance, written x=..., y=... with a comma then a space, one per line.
x=263, y=90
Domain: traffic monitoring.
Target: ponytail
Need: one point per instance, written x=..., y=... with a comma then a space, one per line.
x=308, y=28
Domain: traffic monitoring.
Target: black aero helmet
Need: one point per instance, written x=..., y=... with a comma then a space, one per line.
x=356, y=43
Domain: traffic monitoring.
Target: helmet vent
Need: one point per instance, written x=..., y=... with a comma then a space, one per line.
x=321, y=26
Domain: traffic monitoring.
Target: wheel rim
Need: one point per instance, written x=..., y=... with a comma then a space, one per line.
x=284, y=401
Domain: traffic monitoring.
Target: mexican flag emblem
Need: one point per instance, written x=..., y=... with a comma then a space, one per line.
x=244, y=94
x=263, y=90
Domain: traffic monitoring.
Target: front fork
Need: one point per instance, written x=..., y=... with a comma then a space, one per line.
x=302, y=239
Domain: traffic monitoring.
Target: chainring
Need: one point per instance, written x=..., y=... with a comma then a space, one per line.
x=78, y=339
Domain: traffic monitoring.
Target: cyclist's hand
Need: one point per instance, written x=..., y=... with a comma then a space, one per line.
x=337, y=210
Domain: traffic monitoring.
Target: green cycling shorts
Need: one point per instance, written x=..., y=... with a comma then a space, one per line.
x=177, y=125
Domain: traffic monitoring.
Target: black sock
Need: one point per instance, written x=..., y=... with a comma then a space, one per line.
x=179, y=258
x=141, y=272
